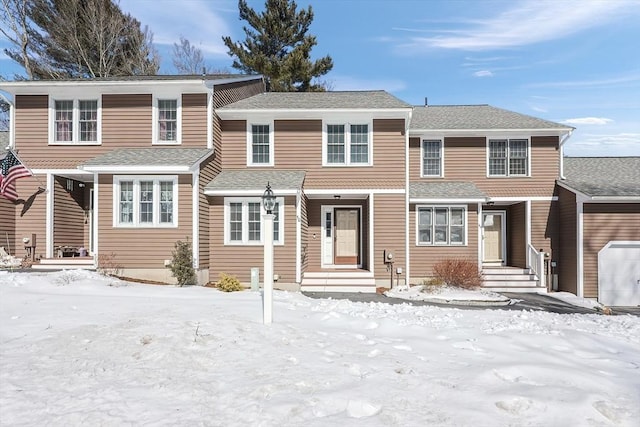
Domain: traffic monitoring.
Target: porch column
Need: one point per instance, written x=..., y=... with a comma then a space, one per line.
x=480, y=237
x=527, y=227
x=49, y=217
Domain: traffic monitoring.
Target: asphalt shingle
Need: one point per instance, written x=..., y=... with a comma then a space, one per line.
x=445, y=190
x=485, y=117
x=603, y=176
x=378, y=99
x=152, y=156
x=256, y=180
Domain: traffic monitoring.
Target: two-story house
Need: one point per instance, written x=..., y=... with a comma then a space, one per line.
x=119, y=167
x=369, y=189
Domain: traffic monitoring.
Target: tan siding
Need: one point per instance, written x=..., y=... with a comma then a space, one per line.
x=31, y=215
x=207, y=173
x=298, y=145
x=126, y=121
x=8, y=225
x=465, y=160
x=68, y=215
x=389, y=232
x=238, y=260
x=517, y=236
x=232, y=92
x=423, y=258
x=567, y=262
x=194, y=120
x=31, y=130
x=602, y=224
x=544, y=226
x=142, y=247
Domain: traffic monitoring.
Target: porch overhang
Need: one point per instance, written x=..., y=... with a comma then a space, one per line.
x=148, y=160
x=446, y=192
x=253, y=182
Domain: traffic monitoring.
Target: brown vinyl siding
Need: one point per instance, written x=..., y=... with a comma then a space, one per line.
x=567, y=256
x=465, y=160
x=232, y=92
x=208, y=171
x=238, y=260
x=423, y=258
x=194, y=120
x=544, y=226
x=516, y=236
x=68, y=214
x=603, y=223
x=298, y=145
x=8, y=225
x=31, y=216
x=142, y=247
x=389, y=232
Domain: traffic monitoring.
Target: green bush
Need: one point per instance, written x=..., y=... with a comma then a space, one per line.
x=182, y=264
x=458, y=272
x=228, y=283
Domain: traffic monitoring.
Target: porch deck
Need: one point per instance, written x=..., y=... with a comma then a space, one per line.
x=65, y=263
x=338, y=280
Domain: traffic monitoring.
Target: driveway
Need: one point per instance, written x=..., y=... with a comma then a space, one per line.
x=523, y=301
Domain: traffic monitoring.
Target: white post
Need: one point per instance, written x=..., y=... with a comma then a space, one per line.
x=267, y=289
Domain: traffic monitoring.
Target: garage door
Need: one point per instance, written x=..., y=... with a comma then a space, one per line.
x=619, y=274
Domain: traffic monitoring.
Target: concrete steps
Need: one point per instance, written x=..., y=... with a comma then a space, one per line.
x=65, y=263
x=510, y=279
x=338, y=281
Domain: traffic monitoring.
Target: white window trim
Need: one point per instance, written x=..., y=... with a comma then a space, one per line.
x=272, y=155
x=508, y=138
x=136, y=201
x=449, y=207
x=75, y=139
x=156, y=116
x=422, y=140
x=347, y=142
x=245, y=221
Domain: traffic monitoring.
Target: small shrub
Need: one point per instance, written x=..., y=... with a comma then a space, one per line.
x=228, y=283
x=108, y=266
x=458, y=272
x=434, y=281
x=182, y=264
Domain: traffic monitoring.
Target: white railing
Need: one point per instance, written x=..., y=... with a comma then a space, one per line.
x=536, y=264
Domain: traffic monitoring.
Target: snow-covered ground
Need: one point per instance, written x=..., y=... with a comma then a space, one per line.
x=78, y=349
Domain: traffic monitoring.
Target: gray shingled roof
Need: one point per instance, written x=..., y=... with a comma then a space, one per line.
x=255, y=180
x=445, y=190
x=468, y=117
x=157, y=77
x=603, y=176
x=151, y=156
x=378, y=99
x=4, y=141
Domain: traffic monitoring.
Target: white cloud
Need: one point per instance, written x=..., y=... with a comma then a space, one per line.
x=197, y=20
x=631, y=78
x=622, y=144
x=483, y=73
x=588, y=121
x=539, y=109
x=528, y=22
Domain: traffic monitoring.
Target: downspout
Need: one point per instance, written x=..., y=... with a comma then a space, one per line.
x=561, y=146
x=579, y=247
x=210, y=116
x=407, y=214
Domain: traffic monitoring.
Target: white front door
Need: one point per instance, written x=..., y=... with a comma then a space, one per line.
x=493, y=235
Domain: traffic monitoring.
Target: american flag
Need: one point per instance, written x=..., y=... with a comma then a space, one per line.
x=11, y=169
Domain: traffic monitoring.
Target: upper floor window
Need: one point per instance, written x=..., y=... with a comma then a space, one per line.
x=508, y=157
x=75, y=121
x=145, y=201
x=347, y=144
x=243, y=221
x=260, y=144
x=441, y=225
x=432, y=157
x=167, y=121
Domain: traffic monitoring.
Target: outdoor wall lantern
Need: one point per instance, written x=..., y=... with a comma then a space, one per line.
x=268, y=202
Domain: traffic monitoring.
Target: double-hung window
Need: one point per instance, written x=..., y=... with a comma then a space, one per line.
x=243, y=223
x=432, y=158
x=145, y=201
x=347, y=144
x=167, y=120
x=260, y=144
x=75, y=121
x=508, y=157
x=441, y=225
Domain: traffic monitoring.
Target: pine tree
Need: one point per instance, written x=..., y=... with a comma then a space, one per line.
x=278, y=47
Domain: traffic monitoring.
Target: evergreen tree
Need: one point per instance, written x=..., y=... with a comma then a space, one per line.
x=277, y=46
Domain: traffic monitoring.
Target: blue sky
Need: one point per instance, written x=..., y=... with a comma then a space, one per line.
x=573, y=62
